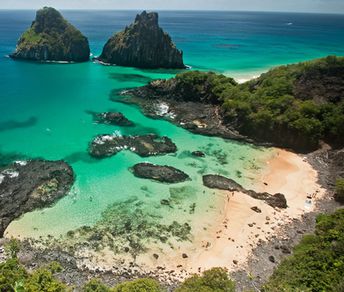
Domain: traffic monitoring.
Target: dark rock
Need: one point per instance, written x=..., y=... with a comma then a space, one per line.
x=256, y=209
x=223, y=183
x=166, y=174
x=165, y=202
x=198, y=153
x=214, y=181
x=52, y=38
x=184, y=256
x=143, y=44
x=163, y=99
x=272, y=259
x=285, y=249
x=235, y=262
x=29, y=185
x=146, y=145
x=113, y=118
x=156, y=256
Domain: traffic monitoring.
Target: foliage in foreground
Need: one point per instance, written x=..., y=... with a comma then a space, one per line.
x=214, y=280
x=339, y=192
x=317, y=263
x=14, y=277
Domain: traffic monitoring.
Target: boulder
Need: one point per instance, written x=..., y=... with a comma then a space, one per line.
x=145, y=145
x=166, y=174
x=52, y=38
x=198, y=154
x=113, y=118
x=29, y=185
x=223, y=183
x=143, y=44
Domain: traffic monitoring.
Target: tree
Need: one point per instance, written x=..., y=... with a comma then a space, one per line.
x=213, y=280
x=139, y=285
x=12, y=247
x=339, y=194
x=95, y=285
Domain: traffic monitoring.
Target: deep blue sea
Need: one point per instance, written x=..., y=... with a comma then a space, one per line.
x=43, y=107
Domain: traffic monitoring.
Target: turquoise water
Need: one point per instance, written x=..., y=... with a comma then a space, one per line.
x=44, y=106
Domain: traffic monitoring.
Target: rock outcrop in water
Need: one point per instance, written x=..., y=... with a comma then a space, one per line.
x=166, y=174
x=143, y=44
x=227, y=184
x=112, y=118
x=145, y=145
x=52, y=38
x=29, y=185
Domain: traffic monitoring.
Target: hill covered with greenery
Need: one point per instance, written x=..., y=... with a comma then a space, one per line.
x=292, y=106
x=52, y=38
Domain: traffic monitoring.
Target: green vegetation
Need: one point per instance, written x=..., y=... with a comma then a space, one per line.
x=139, y=285
x=292, y=106
x=202, y=86
x=12, y=248
x=214, y=280
x=14, y=277
x=339, y=192
x=317, y=263
x=95, y=285
x=51, y=37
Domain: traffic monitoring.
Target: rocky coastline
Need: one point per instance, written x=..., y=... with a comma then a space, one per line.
x=268, y=254
x=29, y=185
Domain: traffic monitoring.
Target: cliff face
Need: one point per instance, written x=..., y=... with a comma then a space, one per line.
x=52, y=38
x=144, y=45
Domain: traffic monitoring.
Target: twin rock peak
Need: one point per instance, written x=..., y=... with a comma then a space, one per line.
x=142, y=44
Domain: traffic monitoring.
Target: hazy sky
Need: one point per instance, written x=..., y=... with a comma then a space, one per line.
x=331, y=6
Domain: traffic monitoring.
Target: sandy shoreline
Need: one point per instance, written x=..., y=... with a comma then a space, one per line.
x=227, y=234
x=236, y=229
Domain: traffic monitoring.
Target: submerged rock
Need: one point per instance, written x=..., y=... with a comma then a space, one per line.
x=113, y=118
x=52, y=38
x=198, y=153
x=145, y=145
x=223, y=183
x=166, y=174
x=29, y=185
x=143, y=44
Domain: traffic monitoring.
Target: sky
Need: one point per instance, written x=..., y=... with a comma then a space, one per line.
x=317, y=6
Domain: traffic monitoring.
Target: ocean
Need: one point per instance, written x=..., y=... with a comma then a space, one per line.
x=45, y=108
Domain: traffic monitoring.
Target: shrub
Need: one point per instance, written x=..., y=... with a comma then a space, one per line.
x=139, y=285
x=339, y=193
x=317, y=263
x=213, y=280
x=12, y=247
x=95, y=285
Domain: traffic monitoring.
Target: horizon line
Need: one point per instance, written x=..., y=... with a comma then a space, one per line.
x=176, y=10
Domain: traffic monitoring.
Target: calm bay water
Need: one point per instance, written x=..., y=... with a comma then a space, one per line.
x=44, y=106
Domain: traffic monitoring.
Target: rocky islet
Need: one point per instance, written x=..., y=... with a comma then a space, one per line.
x=52, y=38
x=143, y=44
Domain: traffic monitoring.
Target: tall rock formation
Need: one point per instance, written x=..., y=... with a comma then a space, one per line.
x=143, y=44
x=52, y=38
